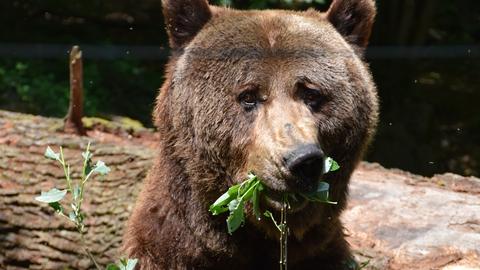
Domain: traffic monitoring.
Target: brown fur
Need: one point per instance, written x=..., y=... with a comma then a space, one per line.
x=209, y=141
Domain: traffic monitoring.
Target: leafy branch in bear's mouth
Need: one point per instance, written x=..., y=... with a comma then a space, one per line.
x=77, y=189
x=250, y=191
x=234, y=201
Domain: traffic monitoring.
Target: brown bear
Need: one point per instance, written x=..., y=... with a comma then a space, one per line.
x=273, y=92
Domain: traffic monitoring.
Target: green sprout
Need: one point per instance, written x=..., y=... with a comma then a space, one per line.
x=76, y=188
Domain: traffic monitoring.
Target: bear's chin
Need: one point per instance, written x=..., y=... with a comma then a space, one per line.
x=274, y=200
x=300, y=221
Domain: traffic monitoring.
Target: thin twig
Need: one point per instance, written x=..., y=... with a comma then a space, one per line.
x=90, y=255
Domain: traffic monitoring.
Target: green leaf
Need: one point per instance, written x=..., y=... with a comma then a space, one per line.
x=72, y=216
x=87, y=164
x=80, y=216
x=233, y=205
x=330, y=165
x=236, y=217
x=112, y=266
x=101, y=168
x=270, y=215
x=56, y=206
x=221, y=204
x=233, y=190
x=320, y=194
x=335, y=166
x=327, y=165
x=256, y=200
x=76, y=192
x=88, y=167
x=125, y=264
x=54, y=195
x=251, y=176
x=322, y=187
x=351, y=264
x=246, y=186
x=248, y=191
x=131, y=263
x=87, y=155
x=49, y=153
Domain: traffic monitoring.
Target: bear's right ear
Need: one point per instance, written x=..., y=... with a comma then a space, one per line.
x=184, y=19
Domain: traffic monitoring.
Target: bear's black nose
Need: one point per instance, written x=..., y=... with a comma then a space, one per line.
x=306, y=164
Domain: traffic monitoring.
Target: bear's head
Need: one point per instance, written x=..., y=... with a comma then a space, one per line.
x=273, y=92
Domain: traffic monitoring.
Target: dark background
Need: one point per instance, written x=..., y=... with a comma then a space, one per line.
x=424, y=55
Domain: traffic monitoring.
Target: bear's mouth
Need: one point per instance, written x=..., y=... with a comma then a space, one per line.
x=275, y=199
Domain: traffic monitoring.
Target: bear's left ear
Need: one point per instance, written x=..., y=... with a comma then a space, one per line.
x=184, y=19
x=353, y=19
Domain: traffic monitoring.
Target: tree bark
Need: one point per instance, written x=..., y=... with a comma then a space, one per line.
x=73, y=120
x=394, y=220
x=32, y=236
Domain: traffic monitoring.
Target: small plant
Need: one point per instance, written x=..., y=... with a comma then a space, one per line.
x=77, y=191
x=250, y=190
x=124, y=264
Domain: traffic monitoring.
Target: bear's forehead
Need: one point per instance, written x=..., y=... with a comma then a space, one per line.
x=259, y=34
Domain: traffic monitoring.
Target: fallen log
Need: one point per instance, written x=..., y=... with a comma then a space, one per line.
x=395, y=220
x=31, y=235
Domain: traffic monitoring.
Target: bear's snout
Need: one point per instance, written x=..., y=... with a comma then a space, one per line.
x=305, y=163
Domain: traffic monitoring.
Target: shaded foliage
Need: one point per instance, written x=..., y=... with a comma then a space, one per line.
x=429, y=115
x=121, y=87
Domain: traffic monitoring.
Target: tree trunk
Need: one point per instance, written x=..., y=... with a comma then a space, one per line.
x=73, y=120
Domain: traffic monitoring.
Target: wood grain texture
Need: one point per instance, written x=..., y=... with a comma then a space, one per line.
x=31, y=235
x=394, y=220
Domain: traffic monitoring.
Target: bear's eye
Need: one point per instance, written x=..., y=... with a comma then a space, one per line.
x=313, y=98
x=248, y=99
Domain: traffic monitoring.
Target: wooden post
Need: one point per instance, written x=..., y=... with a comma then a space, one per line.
x=73, y=120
